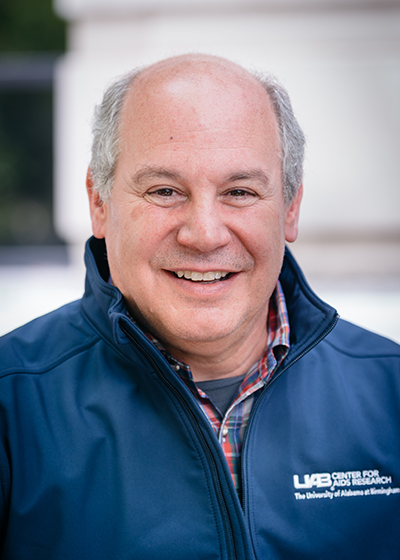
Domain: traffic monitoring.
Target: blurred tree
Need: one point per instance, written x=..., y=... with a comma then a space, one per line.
x=31, y=37
x=26, y=168
x=30, y=25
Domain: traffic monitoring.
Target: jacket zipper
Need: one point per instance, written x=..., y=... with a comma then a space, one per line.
x=274, y=378
x=226, y=518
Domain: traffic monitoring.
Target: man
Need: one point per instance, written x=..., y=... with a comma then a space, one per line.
x=200, y=401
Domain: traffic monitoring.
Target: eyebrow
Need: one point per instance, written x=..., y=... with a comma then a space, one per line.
x=149, y=173
x=256, y=174
x=154, y=173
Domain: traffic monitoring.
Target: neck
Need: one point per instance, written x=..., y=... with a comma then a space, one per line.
x=216, y=360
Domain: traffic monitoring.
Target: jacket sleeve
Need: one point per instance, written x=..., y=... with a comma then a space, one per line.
x=4, y=483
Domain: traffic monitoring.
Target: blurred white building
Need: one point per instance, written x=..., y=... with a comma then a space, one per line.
x=340, y=61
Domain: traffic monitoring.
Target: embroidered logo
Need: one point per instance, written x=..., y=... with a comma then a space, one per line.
x=343, y=484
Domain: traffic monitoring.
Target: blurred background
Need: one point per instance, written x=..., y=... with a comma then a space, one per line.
x=340, y=61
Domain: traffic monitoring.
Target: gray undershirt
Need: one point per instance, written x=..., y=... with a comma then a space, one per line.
x=221, y=391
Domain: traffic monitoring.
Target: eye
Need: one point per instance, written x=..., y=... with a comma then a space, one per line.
x=165, y=196
x=163, y=192
x=240, y=192
x=240, y=197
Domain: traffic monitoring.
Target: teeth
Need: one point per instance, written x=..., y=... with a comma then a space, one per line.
x=201, y=276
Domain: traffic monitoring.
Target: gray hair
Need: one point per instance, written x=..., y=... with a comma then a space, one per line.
x=107, y=124
x=106, y=132
x=291, y=136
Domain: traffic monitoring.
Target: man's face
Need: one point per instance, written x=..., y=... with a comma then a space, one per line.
x=196, y=224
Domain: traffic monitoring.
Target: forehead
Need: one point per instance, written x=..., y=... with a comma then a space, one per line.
x=197, y=99
x=207, y=108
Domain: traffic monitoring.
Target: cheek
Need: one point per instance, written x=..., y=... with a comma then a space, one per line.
x=129, y=234
x=265, y=236
x=267, y=247
x=122, y=246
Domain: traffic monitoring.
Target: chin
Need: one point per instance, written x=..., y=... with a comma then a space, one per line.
x=203, y=334
x=194, y=331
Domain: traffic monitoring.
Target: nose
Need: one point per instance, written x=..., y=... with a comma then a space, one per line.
x=203, y=228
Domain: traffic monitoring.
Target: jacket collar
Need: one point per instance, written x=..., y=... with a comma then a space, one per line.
x=102, y=303
x=310, y=318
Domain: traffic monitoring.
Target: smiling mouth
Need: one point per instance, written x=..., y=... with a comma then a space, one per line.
x=212, y=276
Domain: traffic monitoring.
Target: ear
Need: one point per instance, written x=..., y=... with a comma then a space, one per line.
x=98, y=208
x=292, y=213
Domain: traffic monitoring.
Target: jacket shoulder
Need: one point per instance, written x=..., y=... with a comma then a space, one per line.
x=356, y=341
x=46, y=341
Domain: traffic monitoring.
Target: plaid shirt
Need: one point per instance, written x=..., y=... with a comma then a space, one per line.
x=230, y=428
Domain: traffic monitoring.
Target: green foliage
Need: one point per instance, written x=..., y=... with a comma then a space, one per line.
x=27, y=26
x=26, y=168
x=30, y=25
